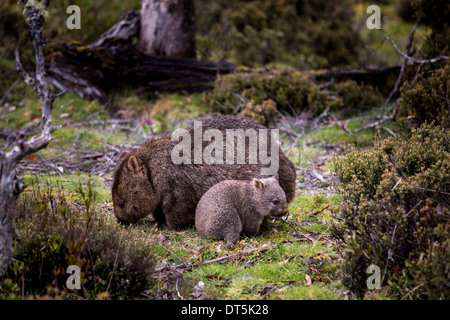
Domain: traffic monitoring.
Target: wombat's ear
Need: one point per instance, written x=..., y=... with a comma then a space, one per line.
x=257, y=184
x=133, y=164
x=123, y=155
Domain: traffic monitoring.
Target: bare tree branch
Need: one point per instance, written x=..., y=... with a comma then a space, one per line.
x=404, y=55
x=10, y=185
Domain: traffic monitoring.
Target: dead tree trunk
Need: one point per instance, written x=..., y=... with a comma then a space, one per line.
x=168, y=28
x=10, y=185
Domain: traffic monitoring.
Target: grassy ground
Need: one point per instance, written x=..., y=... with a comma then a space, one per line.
x=294, y=258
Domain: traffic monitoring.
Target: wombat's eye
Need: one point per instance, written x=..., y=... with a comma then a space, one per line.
x=122, y=204
x=275, y=202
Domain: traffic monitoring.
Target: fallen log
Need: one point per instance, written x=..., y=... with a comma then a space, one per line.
x=382, y=79
x=94, y=71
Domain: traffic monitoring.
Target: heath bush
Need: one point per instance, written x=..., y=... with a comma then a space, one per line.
x=435, y=15
x=352, y=97
x=265, y=113
x=254, y=33
x=57, y=230
x=289, y=90
x=395, y=214
x=426, y=100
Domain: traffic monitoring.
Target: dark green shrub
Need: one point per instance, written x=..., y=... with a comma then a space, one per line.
x=395, y=214
x=406, y=10
x=427, y=100
x=55, y=232
x=302, y=33
x=290, y=90
x=353, y=97
x=265, y=113
x=436, y=15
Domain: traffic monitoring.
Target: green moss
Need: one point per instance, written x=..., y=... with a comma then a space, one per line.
x=313, y=292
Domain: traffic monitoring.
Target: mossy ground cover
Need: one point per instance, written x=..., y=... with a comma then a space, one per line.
x=294, y=258
x=297, y=247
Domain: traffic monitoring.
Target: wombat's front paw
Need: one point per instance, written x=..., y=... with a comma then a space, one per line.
x=266, y=226
x=231, y=241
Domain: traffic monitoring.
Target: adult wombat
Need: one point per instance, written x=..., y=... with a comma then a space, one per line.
x=147, y=181
x=233, y=207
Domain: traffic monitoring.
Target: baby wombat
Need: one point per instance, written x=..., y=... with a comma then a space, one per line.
x=232, y=207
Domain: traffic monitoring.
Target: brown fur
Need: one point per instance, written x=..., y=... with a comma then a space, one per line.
x=146, y=181
x=232, y=207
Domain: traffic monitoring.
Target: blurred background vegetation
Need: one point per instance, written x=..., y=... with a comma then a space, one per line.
x=300, y=34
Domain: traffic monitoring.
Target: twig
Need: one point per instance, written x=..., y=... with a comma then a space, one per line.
x=372, y=125
x=115, y=264
x=408, y=60
x=395, y=186
x=392, y=133
x=402, y=70
x=397, y=83
x=293, y=145
x=184, y=263
x=340, y=125
x=7, y=93
x=411, y=291
x=234, y=256
x=65, y=105
x=404, y=55
x=413, y=209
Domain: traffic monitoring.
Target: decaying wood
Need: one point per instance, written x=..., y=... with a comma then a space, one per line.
x=125, y=29
x=94, y=71
x=168, y=28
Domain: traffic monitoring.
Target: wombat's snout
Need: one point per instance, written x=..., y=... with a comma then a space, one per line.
x=282, y=212
x=124, y=222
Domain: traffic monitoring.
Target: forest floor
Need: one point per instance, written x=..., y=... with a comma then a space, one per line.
x=296, y=257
